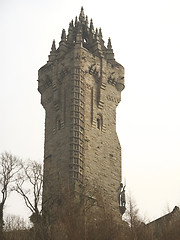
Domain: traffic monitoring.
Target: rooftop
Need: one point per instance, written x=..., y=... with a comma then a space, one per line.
x=83, y=33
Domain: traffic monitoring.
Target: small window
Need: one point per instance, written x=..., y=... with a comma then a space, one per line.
x=58, y=124
x=99, y=122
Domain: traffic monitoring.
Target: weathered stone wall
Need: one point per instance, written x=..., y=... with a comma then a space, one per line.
x=80, y=89
x=102, y=165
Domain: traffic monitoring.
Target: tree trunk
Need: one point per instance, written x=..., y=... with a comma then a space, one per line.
x=1, y=221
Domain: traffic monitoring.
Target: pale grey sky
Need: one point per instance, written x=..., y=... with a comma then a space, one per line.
x=146, y=41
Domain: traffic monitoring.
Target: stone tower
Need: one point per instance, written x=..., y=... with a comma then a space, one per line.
x=80, y=88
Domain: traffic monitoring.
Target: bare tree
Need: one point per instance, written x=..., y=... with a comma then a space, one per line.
x=9, y=167
x=29, y=186
x=17, y=228
x=14, y=222
x=134, y=220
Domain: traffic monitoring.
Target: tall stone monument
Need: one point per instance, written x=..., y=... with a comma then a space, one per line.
x=80, y=87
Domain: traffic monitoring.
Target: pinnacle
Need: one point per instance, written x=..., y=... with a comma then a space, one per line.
x=100, y=32
x=97, y=34
x=70, y=26
x=87, y=22
x=91, y=25
x=71, y=23
x=53, y=48
x=76, y=21
x=82, y=11
x=82, y=16
x=63, y=36
x=109, y=46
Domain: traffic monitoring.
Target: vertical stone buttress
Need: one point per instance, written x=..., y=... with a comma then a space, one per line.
x=80, y=89
x=77, y=116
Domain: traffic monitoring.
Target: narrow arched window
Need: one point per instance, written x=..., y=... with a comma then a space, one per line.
x=99, y=122
x=58, y=125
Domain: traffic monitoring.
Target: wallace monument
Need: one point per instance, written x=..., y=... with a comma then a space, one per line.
x=80, y=87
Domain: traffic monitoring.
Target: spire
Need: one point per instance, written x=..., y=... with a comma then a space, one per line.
x=101, y=40
x=71, y=23
x=52, y=55
x=100, y=33
x=82, y=16
x=109, y=52
x=53, y=48
x=76, y=21
x=86, y=22
x=70, y=32
x=91, y=26
x=109, y=46
x=63, y=36
x=63, y=43
x=97, y=34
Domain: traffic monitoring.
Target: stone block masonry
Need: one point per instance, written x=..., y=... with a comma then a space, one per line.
x=80, y=89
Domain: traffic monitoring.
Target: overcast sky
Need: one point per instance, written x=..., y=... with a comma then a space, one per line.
x=145, y=36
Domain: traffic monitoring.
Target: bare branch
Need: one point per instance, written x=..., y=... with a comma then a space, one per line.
x=29, y=185
x=9, y=168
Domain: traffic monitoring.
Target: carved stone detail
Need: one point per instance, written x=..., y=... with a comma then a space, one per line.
x=113, y=99
x=93, y=71
x=112, y=79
